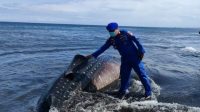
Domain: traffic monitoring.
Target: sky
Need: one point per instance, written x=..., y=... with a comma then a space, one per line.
x=151, y=13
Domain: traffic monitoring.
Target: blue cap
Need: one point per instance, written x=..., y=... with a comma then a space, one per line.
x=112, y=26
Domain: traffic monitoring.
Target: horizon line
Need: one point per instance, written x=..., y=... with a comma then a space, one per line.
x=51, y=23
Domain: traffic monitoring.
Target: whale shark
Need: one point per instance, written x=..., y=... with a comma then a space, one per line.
x=81, y=74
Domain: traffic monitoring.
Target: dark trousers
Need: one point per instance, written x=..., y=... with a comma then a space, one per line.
x=125, y=71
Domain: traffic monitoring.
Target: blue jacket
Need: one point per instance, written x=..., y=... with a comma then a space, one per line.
x=127, y=45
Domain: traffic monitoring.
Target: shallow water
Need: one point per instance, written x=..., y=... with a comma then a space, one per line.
x=34, y=55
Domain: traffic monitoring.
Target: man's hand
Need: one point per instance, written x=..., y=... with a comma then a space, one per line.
x=88, y=56
x=141, y=56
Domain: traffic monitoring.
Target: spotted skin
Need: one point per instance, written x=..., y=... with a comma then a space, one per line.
x=82, y=74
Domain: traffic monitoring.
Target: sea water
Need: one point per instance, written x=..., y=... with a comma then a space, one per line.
x=32, y=56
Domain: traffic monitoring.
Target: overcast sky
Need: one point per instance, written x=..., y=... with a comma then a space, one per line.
x=167, y=13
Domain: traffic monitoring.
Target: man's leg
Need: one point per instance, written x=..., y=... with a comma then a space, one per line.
x=140, y=70
x=125, y=71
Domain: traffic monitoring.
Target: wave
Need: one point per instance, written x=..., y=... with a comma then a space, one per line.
x=154, y=106
x=99, y=102
x=189, y=49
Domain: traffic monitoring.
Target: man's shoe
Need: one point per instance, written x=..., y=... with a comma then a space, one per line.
x=121, y=95
x=148, y=97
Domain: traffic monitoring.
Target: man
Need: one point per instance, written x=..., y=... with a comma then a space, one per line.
x=131, y=52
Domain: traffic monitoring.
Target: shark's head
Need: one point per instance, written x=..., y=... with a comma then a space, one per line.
x=77, y=62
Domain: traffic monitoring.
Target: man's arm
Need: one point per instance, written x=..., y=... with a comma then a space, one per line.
x=102, y=49
x=141, y=50
x=140, y=47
